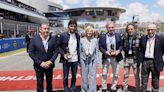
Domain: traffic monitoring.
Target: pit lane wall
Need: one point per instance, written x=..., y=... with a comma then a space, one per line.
x=10, y=44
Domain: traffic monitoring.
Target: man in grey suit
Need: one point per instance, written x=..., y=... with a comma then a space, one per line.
x=88, y=60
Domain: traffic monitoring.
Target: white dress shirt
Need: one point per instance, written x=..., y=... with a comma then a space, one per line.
x=45, y=42
x=110, y=40
x=149, y=52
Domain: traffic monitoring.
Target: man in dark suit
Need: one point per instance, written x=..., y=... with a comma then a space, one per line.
x=29, y=35
x=110, y=45
x=43, y=51
x=27, y=40
x=151, y=57
x=69, y=50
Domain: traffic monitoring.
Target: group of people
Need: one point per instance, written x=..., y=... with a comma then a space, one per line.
x=74, y=50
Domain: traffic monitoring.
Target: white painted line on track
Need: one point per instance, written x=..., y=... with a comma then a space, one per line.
x=1, y=58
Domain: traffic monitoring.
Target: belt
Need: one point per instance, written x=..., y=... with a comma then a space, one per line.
x=148, y=58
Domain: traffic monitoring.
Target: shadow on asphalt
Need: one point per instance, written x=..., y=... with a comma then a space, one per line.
x=130, y=88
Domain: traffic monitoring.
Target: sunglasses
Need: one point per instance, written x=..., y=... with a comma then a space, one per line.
x=151, y=29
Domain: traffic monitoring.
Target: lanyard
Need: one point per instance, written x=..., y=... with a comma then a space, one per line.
x=150, y=41
x=130, y=43
x=111, y=39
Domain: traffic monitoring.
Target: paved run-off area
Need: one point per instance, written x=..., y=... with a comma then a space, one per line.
x=19, y=67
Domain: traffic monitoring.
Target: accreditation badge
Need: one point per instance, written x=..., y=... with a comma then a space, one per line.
x=130, y=52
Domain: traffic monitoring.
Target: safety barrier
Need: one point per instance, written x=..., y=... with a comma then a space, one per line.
x=9, y=44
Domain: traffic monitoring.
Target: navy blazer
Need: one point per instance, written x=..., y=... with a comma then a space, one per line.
x=158, y=61
x=38, y=53
x=103, y=46
x=64, y=39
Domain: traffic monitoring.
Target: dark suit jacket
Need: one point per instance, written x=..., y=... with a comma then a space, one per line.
x=158, y=61
x=64, y=39
x=103, y=47
x=27, y=39
x=38, y=53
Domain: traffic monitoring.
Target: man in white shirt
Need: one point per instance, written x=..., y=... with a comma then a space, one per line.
x=69, y=50
x=110, y=45
x=151, y=47
x=43, y=51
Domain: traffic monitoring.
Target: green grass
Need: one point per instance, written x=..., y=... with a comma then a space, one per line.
x=12, y=52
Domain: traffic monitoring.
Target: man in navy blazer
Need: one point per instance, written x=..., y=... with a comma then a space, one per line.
x=110, y=45
x=151, y=47
x=70, y=54
x=43, y=51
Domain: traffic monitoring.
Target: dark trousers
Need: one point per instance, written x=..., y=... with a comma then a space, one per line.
x=27, y=46
x=147, y=67
x=66, y=67
x=40, y=79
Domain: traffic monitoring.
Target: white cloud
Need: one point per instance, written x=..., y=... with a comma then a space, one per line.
x=107, y=3
x=157, y=17
x=160, y=3
x=60, y=2
x=140, y=10
x=65, y=7
x=72, y=1
x=86, y=3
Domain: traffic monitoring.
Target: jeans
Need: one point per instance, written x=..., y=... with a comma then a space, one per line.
x=66, y=67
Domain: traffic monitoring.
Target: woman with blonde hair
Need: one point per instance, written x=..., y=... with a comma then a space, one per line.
x=88, y=59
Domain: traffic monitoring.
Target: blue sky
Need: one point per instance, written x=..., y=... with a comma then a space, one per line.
x=147, y=10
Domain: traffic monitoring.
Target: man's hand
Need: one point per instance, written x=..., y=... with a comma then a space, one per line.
x=79, y=64
x=48, y=63
x=44, y=65
x=107, y=53
x=117, y=52
x=66, y=56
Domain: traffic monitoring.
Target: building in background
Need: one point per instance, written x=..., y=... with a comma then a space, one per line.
x=19, y=16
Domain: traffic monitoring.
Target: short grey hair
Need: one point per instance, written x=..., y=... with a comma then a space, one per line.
x=44, y=23
x=110, y=22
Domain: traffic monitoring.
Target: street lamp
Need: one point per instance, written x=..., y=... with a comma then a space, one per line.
x=135, y=20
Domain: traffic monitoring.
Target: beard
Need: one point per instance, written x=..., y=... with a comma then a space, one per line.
x=72, y=30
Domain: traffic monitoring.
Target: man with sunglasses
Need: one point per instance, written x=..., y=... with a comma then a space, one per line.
x=151, y=47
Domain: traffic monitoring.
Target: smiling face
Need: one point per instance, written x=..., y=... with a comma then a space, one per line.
x=72, y=28
x=89, y=32
x=130, y=29
x=110, y=27
x=151, y=30
x=44, y=30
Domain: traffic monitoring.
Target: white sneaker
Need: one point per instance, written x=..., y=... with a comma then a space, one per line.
x=125, y=88
x=113, y=87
